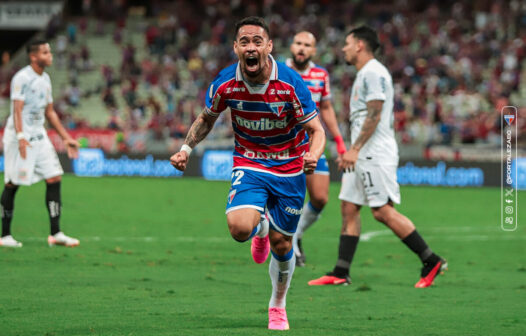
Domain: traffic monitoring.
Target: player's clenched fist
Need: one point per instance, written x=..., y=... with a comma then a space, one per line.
x=309, y=163
x=179, y=160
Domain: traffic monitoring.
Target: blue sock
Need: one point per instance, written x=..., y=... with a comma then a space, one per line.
x=285, y=257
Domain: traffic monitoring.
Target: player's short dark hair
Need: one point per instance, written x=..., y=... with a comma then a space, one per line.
x=368, y=35
x=34, y=45
x=252, y=21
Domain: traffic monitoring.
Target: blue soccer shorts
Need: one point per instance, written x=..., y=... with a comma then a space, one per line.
x=322, y=167
x=283, y=197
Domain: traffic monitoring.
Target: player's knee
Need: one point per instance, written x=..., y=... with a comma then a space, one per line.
x=11, y=185
x=241, y=224
x=53, y=179
x=239, y=231
x=378, y=216
x=281, y=246
x=319, y=201
x=381, y=215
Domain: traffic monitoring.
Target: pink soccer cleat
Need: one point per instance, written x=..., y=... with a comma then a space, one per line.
x=330, y=279
x=260, y=247
x=277, y=319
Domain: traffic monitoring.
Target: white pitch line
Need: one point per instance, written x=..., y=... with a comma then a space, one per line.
x=435, y=234
x=370, y=235
x=146, y=239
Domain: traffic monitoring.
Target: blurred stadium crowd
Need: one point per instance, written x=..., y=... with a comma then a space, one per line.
x=455, y=64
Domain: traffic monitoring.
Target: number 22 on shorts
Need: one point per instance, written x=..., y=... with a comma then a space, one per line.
x=238, y=174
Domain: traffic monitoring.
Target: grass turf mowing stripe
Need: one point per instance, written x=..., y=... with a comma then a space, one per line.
x=191, y=278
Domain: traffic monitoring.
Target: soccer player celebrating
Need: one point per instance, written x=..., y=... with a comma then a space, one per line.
x=370, y=164
x=28, y=153
x=303, y=48
x=271, y=111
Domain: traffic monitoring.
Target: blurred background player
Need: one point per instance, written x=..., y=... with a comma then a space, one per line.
x=271, y=111
x=303, y=48
x=370, y=163
x=29, y=154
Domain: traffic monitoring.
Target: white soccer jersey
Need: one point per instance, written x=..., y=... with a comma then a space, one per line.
x=373, y=82
x=35, y=91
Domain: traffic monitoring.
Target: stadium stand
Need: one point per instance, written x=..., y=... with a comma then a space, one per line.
x=143, y=71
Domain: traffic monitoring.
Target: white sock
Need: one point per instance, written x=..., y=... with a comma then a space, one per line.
x=307, y=218
x=262, y=227
x=280, y=274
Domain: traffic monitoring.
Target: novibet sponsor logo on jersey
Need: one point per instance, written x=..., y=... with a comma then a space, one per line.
x=262, y=124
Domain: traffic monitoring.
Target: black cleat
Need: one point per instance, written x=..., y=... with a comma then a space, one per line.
x=300, y=256
x=430, y=270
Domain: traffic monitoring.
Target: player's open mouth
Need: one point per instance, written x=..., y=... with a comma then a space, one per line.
x=252, y=63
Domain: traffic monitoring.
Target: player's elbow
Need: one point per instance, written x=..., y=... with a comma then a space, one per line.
x=376, y=120
x=316, y=130
x=50, y=113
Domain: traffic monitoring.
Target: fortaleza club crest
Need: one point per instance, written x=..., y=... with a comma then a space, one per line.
x=277, y=108
x=231, y=196
x=509, y=118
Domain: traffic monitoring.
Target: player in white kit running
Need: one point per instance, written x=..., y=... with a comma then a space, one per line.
x=29, y=155
x=370, y=163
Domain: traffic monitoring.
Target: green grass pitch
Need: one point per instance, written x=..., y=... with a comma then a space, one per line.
x=156, y=258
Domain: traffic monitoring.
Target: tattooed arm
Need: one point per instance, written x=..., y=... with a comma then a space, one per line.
x=198, y=131
x=374, y=111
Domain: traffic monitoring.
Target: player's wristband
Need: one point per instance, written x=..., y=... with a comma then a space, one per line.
x=186, y=149
x=340, y=145
x=20, y=136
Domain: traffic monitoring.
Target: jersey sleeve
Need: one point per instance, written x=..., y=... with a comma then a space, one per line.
x=215, y=101
x=305, y=108
x=18, y=87
x=326, y=93
x=374, y=85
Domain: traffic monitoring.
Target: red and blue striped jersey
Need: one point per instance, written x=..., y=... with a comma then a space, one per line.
x=317, y=80
x=267, y=119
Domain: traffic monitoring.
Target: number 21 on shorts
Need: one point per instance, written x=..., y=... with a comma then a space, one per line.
x=366, y=177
